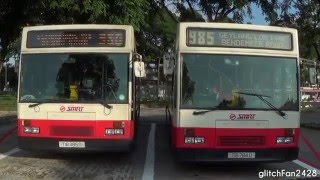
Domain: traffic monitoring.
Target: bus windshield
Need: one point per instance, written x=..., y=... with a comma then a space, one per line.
x=76, y=77
x=213, y=81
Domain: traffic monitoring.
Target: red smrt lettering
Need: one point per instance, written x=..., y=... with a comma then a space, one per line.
x=246, y=116
x=75, y=109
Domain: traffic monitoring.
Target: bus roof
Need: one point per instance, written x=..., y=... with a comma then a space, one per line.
x=232, y=32
x=51, y=30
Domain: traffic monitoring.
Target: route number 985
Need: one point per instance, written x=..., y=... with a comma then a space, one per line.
x=196, y=37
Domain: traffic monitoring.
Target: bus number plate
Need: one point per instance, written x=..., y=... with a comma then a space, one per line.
x=241, y=155
x=71, y=144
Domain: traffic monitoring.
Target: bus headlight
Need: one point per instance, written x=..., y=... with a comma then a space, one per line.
x=288, y=140
x=109, y=131
x=199, y=140
x=31, y=130
x=189, y=140
x=118, y=131
x=284, y=140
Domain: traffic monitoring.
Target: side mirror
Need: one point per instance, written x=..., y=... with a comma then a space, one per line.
x=312, y=74
x=139, y=67
x=168, y=64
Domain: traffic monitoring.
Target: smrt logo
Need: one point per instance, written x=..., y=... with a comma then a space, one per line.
x=72, y=108
x=62, y=108
x=233, y=116
x=242, y=116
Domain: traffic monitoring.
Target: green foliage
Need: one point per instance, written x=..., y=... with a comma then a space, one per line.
x=155, y=22
x=158, y=33
x=308, y=19
x=8, y=102
x=222, y=10
x=15, y=14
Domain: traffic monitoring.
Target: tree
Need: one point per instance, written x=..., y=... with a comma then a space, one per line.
x=158, y=32
x=12, y=18
x=15, y=14
x=308, y=24
x=222, y=10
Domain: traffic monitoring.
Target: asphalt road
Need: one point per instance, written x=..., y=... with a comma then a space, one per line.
x=152, y=159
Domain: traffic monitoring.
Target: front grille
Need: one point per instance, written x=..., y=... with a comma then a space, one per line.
x=71, y=131
x=241, y=140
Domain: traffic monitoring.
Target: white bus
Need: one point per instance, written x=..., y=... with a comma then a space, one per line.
x=236, y=93
x=77, y=88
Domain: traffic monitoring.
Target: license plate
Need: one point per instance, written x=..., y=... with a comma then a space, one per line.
x=72, y=144
x=241, y=155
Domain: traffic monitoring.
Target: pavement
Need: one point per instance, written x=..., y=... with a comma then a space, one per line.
x=7, y=113
x=151, y=159
x=310, y=117
x=7, y=117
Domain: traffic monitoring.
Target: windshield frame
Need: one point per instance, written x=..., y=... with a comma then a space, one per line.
x=52, y=101
x=180, y=98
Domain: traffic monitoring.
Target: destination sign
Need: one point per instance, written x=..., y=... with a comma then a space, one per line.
x=76, y=38
x=204, y=37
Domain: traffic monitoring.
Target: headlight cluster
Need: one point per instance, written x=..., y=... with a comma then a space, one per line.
x=284, y=140
x=31, y=130
x=114, y=132
x=194, y=140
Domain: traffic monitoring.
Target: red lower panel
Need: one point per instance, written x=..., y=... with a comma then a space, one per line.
x=231, y=138
x=75, y=129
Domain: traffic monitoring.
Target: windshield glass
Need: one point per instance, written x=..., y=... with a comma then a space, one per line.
x=212, y=80
x=74, y=77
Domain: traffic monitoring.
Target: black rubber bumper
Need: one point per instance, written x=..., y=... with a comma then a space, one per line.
x=52, y=145
x=261, y=155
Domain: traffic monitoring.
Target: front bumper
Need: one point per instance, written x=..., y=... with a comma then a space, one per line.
x=49, y=144
x=261, y=155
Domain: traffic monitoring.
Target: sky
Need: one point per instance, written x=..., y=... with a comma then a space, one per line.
x=258, y=17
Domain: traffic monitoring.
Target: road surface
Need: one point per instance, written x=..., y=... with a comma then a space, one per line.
x=152, y=159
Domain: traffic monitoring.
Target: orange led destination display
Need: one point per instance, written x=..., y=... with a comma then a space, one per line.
x=235, y=38
x=76, y=38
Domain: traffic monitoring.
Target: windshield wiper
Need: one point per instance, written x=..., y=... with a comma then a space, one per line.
x=204, y=111
x=260, y=96
x=35, y=104
x=45, y=101
x=105, y=104
x=62, y=101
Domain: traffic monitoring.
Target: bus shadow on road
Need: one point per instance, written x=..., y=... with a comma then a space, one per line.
x=73, y=155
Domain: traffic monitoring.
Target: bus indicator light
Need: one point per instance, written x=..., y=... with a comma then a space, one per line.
x=26, y=123
x=118, y=124
x=189, y=132
x=289, y=132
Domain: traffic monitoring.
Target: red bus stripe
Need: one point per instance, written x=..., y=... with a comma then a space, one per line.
x=84, y=129
x=233, y=138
